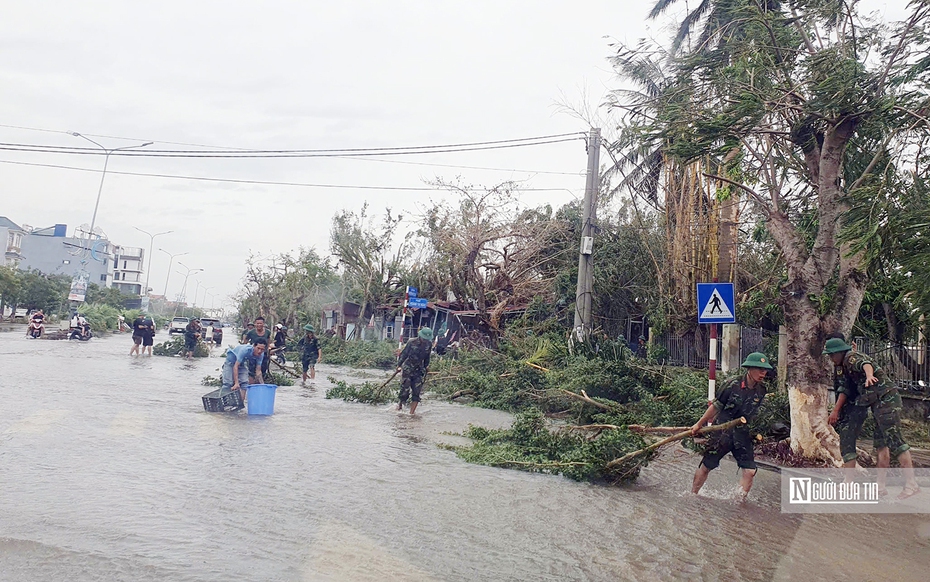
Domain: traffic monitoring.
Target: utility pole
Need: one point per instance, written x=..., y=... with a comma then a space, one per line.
x=585, y=286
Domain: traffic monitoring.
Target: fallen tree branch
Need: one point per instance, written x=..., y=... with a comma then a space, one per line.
x=643, y=429
x=291, y=372
x=677, y=437
x=585, y=398
x=592, y=427
x=537, y=367
x=461, y=393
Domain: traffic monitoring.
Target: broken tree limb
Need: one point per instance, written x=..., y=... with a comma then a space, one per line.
x=461, y=393
x=592, y=427
x=677, y=437
x=292, y=373
x=396, y=372
x=585, y=398
x=643, y=429
x=537, y=367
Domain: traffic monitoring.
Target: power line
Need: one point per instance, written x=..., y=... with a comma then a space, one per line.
x=301, y=153
x=261, y=182
x=211, y=147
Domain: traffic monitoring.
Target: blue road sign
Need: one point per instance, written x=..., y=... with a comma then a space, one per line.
x=411, y=292
x=715, y=303
x=417, y=303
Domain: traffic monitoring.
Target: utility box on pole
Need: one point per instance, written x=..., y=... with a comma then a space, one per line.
x=585, y=284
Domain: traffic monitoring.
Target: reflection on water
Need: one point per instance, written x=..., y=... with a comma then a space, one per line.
x=112, y=471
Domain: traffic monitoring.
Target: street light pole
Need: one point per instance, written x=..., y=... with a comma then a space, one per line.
x=148, y=270
x=103, y=175
x=205, y=289
x=168, y=276
x=188, y=274
x=196, y=292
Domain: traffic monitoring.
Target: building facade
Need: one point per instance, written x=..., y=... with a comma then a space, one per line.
x=50, y=251
x=11, y=236
x=127, y=270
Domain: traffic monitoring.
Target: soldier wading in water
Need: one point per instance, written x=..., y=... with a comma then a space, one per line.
x=414, y=360
x=864, y=386
x=742, y=396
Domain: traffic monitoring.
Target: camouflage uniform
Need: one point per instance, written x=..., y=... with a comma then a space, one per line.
x=735, y=400
x=882, y=397
x=414, y=360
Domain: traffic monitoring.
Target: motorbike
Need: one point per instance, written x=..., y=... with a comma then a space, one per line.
x=82, y=333
x=217, y=337
x=36, y=329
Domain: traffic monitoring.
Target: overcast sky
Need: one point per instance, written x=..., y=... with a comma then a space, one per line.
x=286, y=75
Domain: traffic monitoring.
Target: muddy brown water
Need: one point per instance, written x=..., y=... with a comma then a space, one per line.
x=111, y=470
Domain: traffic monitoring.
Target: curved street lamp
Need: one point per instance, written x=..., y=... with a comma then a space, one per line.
x=168, y=276
x=106, y=161
x=148, y=270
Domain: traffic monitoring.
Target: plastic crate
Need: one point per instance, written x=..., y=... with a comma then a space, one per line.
x=222, y=400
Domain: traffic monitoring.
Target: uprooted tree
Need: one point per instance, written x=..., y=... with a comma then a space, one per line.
x=800, y=106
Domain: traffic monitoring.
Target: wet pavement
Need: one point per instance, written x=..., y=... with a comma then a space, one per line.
x=111, y=470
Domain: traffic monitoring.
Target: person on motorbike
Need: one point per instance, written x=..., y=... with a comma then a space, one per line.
x=37, y=324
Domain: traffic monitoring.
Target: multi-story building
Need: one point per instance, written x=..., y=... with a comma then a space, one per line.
x=52, y=252
x=127, y=270
x=11, y=236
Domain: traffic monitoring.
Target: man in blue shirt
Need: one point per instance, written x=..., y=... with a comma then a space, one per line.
x=236, y=368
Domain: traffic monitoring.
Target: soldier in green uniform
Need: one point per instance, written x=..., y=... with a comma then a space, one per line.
x=865, y=386
x=413, y=361
x=741, y=396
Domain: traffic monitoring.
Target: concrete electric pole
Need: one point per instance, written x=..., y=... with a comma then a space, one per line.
x=585, y=259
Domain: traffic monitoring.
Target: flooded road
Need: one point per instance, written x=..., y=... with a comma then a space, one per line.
x=111, y=470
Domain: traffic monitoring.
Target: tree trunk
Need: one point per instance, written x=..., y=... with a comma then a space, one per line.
x=808, y=378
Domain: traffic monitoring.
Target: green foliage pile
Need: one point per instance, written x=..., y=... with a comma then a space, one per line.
x=367, y=393
x=360, y=354
x=530, y=445
x=175, y=347
x=101, y=317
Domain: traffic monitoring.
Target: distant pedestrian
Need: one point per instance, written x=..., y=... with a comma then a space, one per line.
x=414, y=362
x=191, y=335
x=642, y=349
x=310, y=352
x=138, y=332
x=148, y=338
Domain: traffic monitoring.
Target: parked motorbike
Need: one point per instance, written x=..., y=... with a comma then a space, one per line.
x=82, y=333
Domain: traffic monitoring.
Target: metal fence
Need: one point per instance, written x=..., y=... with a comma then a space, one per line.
x=907, y=365
x=682, y=350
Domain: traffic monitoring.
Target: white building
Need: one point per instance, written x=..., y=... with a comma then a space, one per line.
x=11, y=236
x=127, y=270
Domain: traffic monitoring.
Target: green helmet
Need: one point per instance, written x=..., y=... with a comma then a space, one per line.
x=426, y=333
x=835, y=345
x=309, y=327
x=757, y=360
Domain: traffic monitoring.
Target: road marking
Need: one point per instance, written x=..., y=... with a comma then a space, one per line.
x=37, y=423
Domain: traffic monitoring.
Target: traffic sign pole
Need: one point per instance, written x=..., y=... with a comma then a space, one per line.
x=712, y=371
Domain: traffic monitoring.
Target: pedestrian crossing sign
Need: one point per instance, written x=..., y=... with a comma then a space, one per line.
x=715, y=303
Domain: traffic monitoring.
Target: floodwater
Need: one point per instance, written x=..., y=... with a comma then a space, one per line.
x=111, y=470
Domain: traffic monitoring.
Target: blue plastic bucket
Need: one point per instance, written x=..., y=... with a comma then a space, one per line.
x=260, y=399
